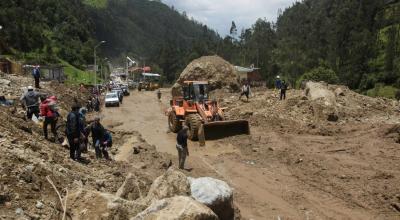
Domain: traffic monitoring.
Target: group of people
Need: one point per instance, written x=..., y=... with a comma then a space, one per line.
x=279, y=84
x=44, y=108
x=77, y=132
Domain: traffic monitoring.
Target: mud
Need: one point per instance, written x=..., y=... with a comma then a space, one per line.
x=296, y=164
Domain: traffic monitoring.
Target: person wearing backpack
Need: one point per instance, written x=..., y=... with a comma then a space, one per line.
x=74, y=132
x=98, y=132
x=49, y=112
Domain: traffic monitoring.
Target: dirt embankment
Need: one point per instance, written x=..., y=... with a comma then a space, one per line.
x=352, y=156
x=121, y=188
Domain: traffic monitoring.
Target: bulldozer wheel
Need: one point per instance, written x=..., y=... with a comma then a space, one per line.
x=174, y=123
x=193, y=122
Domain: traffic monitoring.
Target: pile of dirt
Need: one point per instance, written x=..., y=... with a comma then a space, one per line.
x=303, y=112
x=217, y=71
x=339, y=156
x=14, y=86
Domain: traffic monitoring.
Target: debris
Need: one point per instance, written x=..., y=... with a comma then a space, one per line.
x=171, y=183
x=218, y=72
x=178, y=207
x=216, y=194
x=39, y=205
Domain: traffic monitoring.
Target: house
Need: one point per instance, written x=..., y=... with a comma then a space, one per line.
x=251, y=74
x=9, y=66
x=48, y=72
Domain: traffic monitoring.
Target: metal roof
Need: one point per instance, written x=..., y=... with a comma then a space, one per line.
x=245, y=69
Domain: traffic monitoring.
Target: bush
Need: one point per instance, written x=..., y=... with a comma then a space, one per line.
x=380, y=90
x=319, y=74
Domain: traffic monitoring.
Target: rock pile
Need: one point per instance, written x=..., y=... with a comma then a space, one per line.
x=218, y=72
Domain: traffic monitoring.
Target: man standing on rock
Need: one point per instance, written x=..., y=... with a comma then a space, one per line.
x=30, y=101
x=74, y=132
x=181, y=146
x=36, y=76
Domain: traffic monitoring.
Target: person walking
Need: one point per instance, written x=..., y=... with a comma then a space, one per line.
x=245, y=91
x=48, y=110
x=278, y=82
x=107, y=144
x=283, y=90
x=84, y=142
x=159, y=95
x=36, y=76
x=182, y=147
x=97, y=130
x=74, y=132
x=30, y=101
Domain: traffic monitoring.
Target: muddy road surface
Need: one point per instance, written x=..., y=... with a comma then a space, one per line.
x=266, y=180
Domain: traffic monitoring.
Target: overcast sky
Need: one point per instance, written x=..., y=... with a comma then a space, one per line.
x=219, y=14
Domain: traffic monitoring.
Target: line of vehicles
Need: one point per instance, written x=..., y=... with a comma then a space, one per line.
x=115, y=94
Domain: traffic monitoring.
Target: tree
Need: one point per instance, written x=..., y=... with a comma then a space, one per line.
x=233, y=30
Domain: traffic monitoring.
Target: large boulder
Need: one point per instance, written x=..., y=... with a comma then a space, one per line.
x=85, y=204
x=133, y=188
x=320, y=91
x=171, y=183
x=179, y=208
x=217, y=71
x=216, y=194
x=324, y=101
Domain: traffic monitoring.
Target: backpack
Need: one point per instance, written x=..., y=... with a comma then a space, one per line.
x=44, y=107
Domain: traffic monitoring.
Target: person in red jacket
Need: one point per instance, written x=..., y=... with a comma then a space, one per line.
x=49, y=113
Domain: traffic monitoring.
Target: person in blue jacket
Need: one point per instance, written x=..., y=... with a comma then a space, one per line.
x=36, y=76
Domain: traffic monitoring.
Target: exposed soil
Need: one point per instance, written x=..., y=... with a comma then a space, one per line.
x=296, y=164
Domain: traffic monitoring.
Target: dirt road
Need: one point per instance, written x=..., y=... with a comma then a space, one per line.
x=262, y=191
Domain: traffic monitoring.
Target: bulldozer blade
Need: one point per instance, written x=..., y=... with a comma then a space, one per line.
x=221, y=129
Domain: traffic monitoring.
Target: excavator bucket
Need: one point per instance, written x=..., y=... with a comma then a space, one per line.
x=221, y=129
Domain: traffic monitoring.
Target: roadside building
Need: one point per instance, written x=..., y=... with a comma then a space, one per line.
x=250, y=74
x=9, y=66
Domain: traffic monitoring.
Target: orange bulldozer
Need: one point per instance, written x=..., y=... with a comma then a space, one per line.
x=204, y=117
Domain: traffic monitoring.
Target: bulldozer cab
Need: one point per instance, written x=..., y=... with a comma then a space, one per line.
x=196, y=91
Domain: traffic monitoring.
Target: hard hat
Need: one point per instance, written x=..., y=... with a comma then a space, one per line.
x=278, y=77
x=30, y=88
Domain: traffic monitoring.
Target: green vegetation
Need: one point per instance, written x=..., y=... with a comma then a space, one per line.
x=77, y=76
x=357, y=40
x=357, y=43
x=380, y=90
x=319, y=74
x=96, y=3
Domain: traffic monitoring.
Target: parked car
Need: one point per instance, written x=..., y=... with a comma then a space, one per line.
x=120, y=93
x=111, y=99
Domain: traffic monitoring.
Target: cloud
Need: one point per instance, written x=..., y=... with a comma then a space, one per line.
x=218, y=14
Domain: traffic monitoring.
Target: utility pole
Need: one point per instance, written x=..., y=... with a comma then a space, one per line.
x=95, y=63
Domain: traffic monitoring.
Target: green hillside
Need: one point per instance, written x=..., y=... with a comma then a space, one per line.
x=149, y=31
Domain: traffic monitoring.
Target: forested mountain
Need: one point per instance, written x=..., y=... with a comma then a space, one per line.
x=150, y=31
x=353, y=42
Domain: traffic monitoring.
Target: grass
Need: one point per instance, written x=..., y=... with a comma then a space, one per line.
x=75, y=75
x=382, y=91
